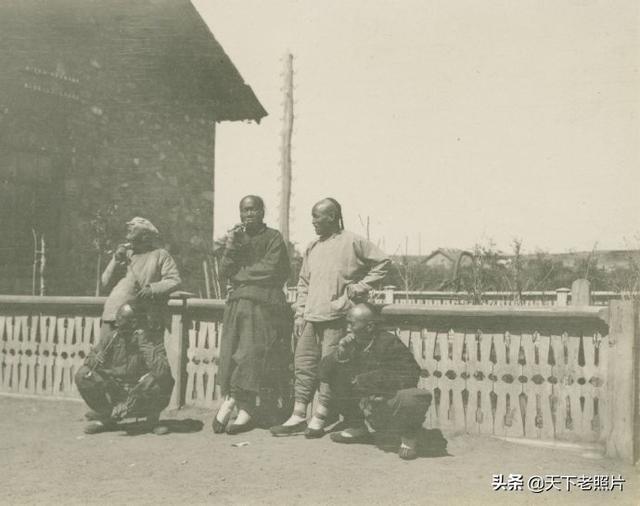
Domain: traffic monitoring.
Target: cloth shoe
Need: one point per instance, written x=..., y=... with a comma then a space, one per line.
x=352, y=436
x=97, y=426
x=220, y=427
x=310, y=433
x=288, y=430
x=407, y=452
x=92, y=416
x=155, y=426
x=239, y=428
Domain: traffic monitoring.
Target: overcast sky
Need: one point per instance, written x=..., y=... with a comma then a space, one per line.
x=448, y=122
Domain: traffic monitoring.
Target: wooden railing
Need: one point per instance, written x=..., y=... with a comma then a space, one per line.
x=551, y=373
x=559, y=297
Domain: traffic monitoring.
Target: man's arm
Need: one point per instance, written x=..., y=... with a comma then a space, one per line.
x=377, y=263
x=97, y=357
x=114, y=271
x=229, y=259
x=169, y=276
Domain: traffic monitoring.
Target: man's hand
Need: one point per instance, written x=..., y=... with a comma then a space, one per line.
x=298, y=326
x=96, y=360
x=357, y=292
x=345, y=348
x=233, y=234
x=120, y=255
x=145, y=293
x=100, y=358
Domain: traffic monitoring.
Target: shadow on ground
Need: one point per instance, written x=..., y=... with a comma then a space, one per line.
x=175, y=426
x=431, y=443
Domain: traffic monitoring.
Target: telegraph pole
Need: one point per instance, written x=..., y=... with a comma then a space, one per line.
x=287, y=132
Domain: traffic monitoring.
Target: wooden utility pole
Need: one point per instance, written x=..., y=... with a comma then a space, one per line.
x=366, y=223
x=287, y=132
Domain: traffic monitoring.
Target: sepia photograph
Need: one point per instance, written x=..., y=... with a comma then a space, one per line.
x=345, y=252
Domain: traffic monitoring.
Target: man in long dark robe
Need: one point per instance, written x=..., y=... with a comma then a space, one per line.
x=255, y=349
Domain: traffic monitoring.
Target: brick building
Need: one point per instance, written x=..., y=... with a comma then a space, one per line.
x=108, y=110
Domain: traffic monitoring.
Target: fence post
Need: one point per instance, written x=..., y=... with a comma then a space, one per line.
x=562, y=296
x=621, y=439
x=581, y=293
x=388, y=294
x=175, y=341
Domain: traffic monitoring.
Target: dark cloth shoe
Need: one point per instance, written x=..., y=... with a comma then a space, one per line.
x=408, y=446
x=407, y=453
x=160, y=430
x=93, y=415
x=359, y=435
x=288, y=430
x=154, y=425
x=239, y=428
x=97, y=426
x=310, y=433
x=218, y=426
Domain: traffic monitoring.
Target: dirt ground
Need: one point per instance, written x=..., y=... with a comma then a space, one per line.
x=46, y=459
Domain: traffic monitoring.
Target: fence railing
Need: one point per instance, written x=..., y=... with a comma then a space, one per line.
x=559, y=297
x=551, y=373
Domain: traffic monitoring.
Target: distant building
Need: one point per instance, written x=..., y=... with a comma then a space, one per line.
x=108, y=110
x=449, y=258
x=606, y=259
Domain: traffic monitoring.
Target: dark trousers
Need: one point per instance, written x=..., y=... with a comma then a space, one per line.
x=102, y=392
x=402, y=413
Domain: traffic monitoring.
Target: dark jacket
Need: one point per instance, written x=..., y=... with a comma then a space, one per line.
x=131, y=355
x=383, y=367
x=257, y=267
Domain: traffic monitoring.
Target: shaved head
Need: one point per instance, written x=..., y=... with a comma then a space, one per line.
x=126, y=317
x=327, y=217
x=327, y=206
x=363, y=313
x=361, y=322
x=254, y=199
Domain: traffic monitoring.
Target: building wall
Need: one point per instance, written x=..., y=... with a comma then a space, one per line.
x=106, y=164
x=114, y=95
x=159, y=166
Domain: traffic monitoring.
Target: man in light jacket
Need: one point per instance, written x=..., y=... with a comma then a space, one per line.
x=337, y=269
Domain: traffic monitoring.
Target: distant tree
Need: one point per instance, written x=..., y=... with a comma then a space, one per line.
x=486, y=273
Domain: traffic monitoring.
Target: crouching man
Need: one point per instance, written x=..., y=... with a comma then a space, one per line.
x=126, y=375
x=373, y=378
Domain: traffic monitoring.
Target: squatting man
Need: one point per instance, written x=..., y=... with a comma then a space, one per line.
x=373, y=378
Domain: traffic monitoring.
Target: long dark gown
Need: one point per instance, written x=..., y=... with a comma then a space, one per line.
x=255, y=352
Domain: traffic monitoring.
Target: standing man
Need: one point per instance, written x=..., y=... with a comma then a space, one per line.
x=255, y=349
x=338, y=268
x=139, y=272
x=374, y=377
